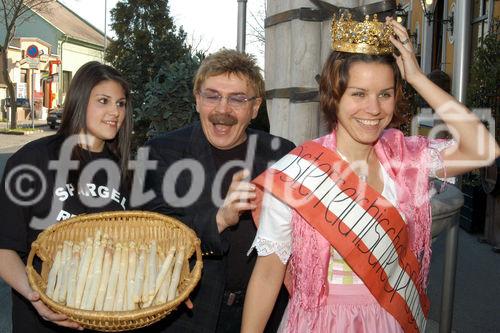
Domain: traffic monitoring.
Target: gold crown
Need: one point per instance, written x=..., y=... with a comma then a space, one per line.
x=368, y=37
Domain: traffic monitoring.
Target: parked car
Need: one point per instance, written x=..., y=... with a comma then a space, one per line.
x=54, y=118
x=21, y=102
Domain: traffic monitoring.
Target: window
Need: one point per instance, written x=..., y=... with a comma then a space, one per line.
x=480, y=23
x=24, y=75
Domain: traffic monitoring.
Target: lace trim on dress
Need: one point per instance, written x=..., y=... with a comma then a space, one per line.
x=266, y=247
x=436, y=162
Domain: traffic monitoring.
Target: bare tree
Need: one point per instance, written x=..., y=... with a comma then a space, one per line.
x=14, y=13
x=257, y=28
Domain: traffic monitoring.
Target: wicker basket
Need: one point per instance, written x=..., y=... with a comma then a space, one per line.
x=142, y=227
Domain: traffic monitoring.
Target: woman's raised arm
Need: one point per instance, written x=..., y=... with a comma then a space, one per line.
x=476, y=147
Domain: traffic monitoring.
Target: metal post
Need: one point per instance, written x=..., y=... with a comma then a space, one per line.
x=449, y=272
x=32, y=98
x=426, y=51
x=242, y=24
x=444, y=41
x=461, y=53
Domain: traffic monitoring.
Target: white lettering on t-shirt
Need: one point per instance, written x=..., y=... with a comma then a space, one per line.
x=61, y=193
x=115, y=196
x=91, y=188
x=68, y=190
x=64, y=215
x=103, y=192
x=71, y=189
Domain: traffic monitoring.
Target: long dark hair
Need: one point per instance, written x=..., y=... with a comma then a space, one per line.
x=75, y=110
x=335, y=76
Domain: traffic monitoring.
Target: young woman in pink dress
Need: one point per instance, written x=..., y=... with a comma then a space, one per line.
x=332, y=289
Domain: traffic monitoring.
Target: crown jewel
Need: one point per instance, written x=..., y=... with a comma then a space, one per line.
x=368, y=37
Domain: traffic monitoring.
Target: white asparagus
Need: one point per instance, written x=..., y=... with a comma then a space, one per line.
x=113, y=279
x=139, y=274
x=96, y=245
x=90, y=275
x=145, y=287
x=82, y=251
x=62, y=277
x=108, y=256
x=161, y=296
x=94, y=278
x=176, y=274
x=165, y=268
x=161, y=259
x=56, y=265
x=153, y=256
x=132, y=266
x=73, y=273
x=122, y=280
x=91, y=271
x=82, y=272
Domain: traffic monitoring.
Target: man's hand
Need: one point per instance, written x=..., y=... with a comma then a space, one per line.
x=237, y=201
x=49, y=315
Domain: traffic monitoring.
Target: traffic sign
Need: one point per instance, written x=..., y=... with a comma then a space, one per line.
x=32, y=51
x=33, y=62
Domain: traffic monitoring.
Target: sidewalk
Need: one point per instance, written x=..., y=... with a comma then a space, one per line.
x=25, y=123
x=10, y=141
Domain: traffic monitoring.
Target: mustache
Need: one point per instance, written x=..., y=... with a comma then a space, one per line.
x=222, y=119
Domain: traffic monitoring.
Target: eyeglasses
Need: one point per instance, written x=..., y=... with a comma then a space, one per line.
x=234, y=101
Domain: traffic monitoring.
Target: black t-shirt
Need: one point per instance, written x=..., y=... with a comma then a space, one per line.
x=240, y=237
x=31, y=199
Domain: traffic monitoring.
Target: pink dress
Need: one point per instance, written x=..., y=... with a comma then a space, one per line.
x=350, y=307
x=347, y=305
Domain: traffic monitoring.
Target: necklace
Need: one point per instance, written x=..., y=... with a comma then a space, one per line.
x=362, y=171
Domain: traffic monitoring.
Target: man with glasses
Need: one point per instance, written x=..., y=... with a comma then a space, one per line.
x=220, y=155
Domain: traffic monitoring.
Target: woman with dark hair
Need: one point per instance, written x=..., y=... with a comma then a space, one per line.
x=41, y=184
x=349, y=212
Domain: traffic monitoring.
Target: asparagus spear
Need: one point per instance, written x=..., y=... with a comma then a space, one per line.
x=165, y=267
x=113, y=279
x=83, y=271
x=63, y=276
x=145, y=287
x=152, y=271
x=122, y=280
x=132, y=265
x=94, y=277
x=72, y=279
x=51, y=283
x=108, y=256
x=139, y=274
x=179, y=260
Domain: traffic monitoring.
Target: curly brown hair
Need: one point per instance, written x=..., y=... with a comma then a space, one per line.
x=335, y=76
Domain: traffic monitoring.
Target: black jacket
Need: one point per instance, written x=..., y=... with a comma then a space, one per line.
x=190, y=143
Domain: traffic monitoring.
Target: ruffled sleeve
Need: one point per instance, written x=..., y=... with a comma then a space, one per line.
x=275, y=229
x=435, y=148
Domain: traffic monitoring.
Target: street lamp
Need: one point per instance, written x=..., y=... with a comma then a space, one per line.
x=401, y=15
x=428, y=6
